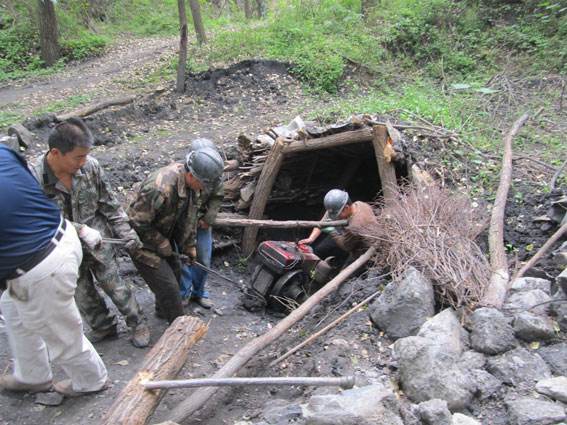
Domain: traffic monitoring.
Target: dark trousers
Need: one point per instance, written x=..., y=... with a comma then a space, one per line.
x=325, y=247
x=164, y=283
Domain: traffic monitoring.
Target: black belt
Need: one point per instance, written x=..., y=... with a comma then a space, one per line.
x=39, y=256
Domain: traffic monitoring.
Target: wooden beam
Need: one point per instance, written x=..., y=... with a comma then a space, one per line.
x=275, y=224
x=386, y=169
x=134, y=405
x=263, y=188
x=334, y=140
x=83, y=112
x=196, y=400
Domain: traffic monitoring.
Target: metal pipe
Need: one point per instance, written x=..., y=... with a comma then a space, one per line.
x=345, y=382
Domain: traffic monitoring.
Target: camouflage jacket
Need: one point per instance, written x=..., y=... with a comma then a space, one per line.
x=90, y=201
x=165, y=208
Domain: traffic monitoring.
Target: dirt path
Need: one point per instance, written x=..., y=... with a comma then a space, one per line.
x=118, y=71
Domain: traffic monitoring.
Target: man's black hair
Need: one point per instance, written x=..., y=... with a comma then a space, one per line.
x=70, y=134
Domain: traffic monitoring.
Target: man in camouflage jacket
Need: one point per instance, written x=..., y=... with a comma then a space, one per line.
x=165, y=213
x=76, y=182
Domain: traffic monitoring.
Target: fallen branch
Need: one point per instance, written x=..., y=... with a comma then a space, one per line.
x=189, y=406
x=83, y=112
x=134, y=405
x=274, y=224
x=345, y=382
x=556, y=176
x=537, y=256
x=325, y=329
x=497, y=287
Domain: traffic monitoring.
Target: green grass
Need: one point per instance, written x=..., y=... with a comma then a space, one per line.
x=67, y=104
x=8, y=118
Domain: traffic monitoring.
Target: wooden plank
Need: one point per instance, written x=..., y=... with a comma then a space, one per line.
x=275, y=224
x=263, y=189
x=134, y=405
x=334, y=140
x=386, y=169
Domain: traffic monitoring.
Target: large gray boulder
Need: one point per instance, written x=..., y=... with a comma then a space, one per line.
x=556, y=388
x=472, y=360
x=532, y=327
x=526, y=300
x=519, y=367
x=435, y=412
x=460, y=419
x=491, y=332
x=529, y=411
x=486, y=384
x=427, y=372
x=445, y=330
x=404, y=305
x=359, y=406
x=530, y=283
x=556, y=357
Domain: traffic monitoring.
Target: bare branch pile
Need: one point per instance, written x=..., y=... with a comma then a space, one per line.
x=434, y=230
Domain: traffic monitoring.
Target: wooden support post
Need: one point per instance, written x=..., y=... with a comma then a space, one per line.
x=334, y=140
x=275, y=224
x=134, y=405
x=196, y=400
x=386, y=169
x=262, y=193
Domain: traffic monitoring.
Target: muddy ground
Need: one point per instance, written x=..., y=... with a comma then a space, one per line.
x=133, y=140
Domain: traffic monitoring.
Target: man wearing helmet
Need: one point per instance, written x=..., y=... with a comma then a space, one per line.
x=349, y=239
x=165, y=213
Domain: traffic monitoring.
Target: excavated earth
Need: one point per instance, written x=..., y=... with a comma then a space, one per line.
x=133, y=140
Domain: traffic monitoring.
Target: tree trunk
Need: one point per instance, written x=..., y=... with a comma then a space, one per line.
x=386, y=169
x=198, y=21
x=48, y=33
x=180, y=84
x=260, y=8
x=247, y=9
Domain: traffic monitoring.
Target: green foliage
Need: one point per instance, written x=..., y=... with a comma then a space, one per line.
x=85, y=45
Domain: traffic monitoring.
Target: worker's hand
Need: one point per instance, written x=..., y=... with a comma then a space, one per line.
x=203, y=224
x=133, y=242
x=191, y=253
x=307, y=241
x=164, y=249
x=91, y=237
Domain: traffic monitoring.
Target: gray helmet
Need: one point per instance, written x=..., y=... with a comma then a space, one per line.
x=206, y=165
x=335, y=201
x=201, y=143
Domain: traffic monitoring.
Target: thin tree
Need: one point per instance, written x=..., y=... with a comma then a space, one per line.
x=260, y=8
x=180, y=85
x=48, y=33
x=247, y=9
x=198, y=21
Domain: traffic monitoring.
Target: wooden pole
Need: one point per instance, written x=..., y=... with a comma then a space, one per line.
x=386, y=169
x=497, y=287
x=263, y=189
x=134, y=405
x=325, y=329
x=334, y=140
x=189, y=406
x=182, y=63
x=275, y=224
x=345, y=382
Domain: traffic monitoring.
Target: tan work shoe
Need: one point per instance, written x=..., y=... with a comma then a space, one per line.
x=97, y=335
x=203, y=302
x=141, y=336
x=10, y=383
x=65, y=388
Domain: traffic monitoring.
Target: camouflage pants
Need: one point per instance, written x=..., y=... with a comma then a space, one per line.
x=92, y=304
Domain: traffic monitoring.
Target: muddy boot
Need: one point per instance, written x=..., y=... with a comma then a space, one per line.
x=203, y=302
x=97, y=335
x=141, y=336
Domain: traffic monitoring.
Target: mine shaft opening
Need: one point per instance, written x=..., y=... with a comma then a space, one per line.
x=304, y=179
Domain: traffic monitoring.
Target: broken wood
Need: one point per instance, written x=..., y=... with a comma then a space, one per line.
x=556, y=176
x=386, y=169
x=334, y=140
x=262, y=192
x=325, y=329
x=83, y=112
x=134, y=405
x=194, y=402
x=344, y=382
x=541, y=252
x=275, y=224
x=498, y=285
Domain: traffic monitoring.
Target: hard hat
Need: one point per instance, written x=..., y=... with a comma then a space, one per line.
x=201, y=142
x=335, y=201
x=206, y=165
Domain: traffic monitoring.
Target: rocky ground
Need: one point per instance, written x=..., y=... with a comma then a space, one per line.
x=496, y=368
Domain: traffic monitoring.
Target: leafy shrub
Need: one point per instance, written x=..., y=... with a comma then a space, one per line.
x=85, y=46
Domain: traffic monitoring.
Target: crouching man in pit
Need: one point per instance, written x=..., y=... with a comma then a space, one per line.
x=77, y=184
x=40, y=255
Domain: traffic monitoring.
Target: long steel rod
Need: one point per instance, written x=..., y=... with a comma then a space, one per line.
x=343, y=382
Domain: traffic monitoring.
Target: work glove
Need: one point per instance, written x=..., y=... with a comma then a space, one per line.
x=191, y=253
x=133, y=242
x=164, y=249
x=91, y=237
